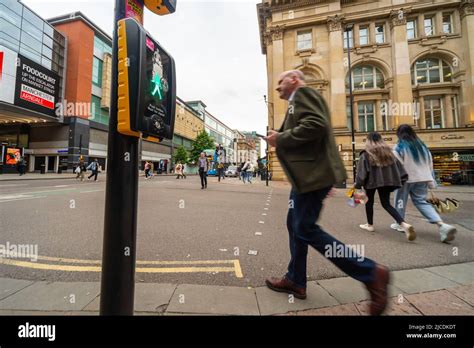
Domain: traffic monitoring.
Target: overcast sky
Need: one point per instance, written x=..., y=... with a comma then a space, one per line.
x=216, y=47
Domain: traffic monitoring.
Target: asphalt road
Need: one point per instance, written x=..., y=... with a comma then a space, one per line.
x=200, y=234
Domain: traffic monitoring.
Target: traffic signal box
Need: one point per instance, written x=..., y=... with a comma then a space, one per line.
x=146, y=84
x=161, y=7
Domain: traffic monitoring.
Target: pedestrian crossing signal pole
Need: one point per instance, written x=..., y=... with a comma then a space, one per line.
x=120, y=223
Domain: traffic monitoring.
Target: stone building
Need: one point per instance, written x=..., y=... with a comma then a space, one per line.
x=411, y=62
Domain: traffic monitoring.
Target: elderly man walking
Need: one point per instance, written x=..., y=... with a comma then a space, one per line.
x=307, y=152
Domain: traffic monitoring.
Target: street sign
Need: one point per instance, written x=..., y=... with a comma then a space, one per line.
x=161, y=7
x=146, y=84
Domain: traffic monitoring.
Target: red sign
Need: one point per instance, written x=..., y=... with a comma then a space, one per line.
x=35, y=96
x=1, y=65
x=134, y=9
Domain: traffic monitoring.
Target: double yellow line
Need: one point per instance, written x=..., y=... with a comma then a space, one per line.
x=58, y=264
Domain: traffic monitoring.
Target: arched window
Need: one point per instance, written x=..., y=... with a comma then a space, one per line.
x=430, y=70
x=366, y=77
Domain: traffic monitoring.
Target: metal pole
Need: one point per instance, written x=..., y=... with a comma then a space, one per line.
x=266, y=169
x=351, y=101
x=120, y=225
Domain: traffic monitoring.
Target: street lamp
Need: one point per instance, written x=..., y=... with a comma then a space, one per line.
x=266, y=151
x=349, y=28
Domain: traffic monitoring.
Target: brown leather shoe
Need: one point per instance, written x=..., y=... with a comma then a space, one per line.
x=285, y=285
x=378, y=290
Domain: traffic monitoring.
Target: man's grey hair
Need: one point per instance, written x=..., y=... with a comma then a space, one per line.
x=294, y=73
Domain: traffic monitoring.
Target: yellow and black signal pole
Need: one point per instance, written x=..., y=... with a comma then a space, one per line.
x=120, y=225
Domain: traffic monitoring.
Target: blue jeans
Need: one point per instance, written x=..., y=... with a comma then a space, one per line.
x=303, y=231
x=418, y=192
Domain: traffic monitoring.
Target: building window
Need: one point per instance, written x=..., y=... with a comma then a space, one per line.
x=363, y=36
x=97, y=113
x=348, y=112
x=429, y=26
x=431, y=70
x=97, y=72
x=455, y=110
x=366, y=77
x=411, y=29
x=366, y=116
x=305, y=40
x=351, y=39
x=434, y=115
x=448, y=23
x=379, y=34
x=384, y=113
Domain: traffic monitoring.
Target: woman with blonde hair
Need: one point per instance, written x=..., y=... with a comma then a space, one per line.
x=379, y=170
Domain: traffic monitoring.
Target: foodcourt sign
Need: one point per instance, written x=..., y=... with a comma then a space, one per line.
x=27, y=84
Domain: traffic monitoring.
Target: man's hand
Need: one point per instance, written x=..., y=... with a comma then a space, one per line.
x=271, y=138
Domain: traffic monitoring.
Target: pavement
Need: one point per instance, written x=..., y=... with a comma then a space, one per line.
x=442, y=290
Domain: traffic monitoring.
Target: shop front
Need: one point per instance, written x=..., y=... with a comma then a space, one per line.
x=455, y=167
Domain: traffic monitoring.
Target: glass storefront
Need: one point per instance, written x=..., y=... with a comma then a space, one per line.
x=454, y=167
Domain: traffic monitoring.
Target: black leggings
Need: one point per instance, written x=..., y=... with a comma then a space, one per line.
x=203, y=176
x=384, y=195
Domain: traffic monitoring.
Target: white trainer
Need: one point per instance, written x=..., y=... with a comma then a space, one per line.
x=409, y=231
x=397, y=227
x=447, y=232
x=367, y=227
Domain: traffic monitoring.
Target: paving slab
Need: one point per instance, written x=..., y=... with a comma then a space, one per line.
x=201, y=299
x=149, y=297
x=349, y=290
x=418, y=280
x=48, y=296
x=462, y=273
x=440, y=302
x=346, y=309
x=395, y=306
x=10, y=286
x=465, y=292
x=271, y=302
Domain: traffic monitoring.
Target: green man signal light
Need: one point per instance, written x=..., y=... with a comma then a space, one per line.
x=146, y=84
x=161, y=7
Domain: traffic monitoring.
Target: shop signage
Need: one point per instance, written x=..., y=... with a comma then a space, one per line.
x=452, y=137
x=13, y=156
x=27, y=84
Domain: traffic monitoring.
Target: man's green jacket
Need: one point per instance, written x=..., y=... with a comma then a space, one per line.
x=306, y=147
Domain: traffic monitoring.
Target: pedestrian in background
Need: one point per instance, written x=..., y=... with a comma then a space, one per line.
x=183, y=170
x=81, y=169
x=203, y=168
x=418, y=162
x=94, y=167
x=177, y=170
x=220, y=171
x=147, y=169
x=379, y=170
x=308, y=154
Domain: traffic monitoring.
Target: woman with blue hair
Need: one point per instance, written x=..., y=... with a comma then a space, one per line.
x=418, y=163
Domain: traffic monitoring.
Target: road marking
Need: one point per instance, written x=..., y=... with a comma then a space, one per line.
x=91, y=191
x=21, y=199
x=264, y=214
x=62, y=186
x=12, y=185
x=261, y=222
x=95, y=266
x=265, y=208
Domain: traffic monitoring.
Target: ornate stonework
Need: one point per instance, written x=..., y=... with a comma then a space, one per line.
x=399, y=17
x=335, y=23
x=467, y=8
